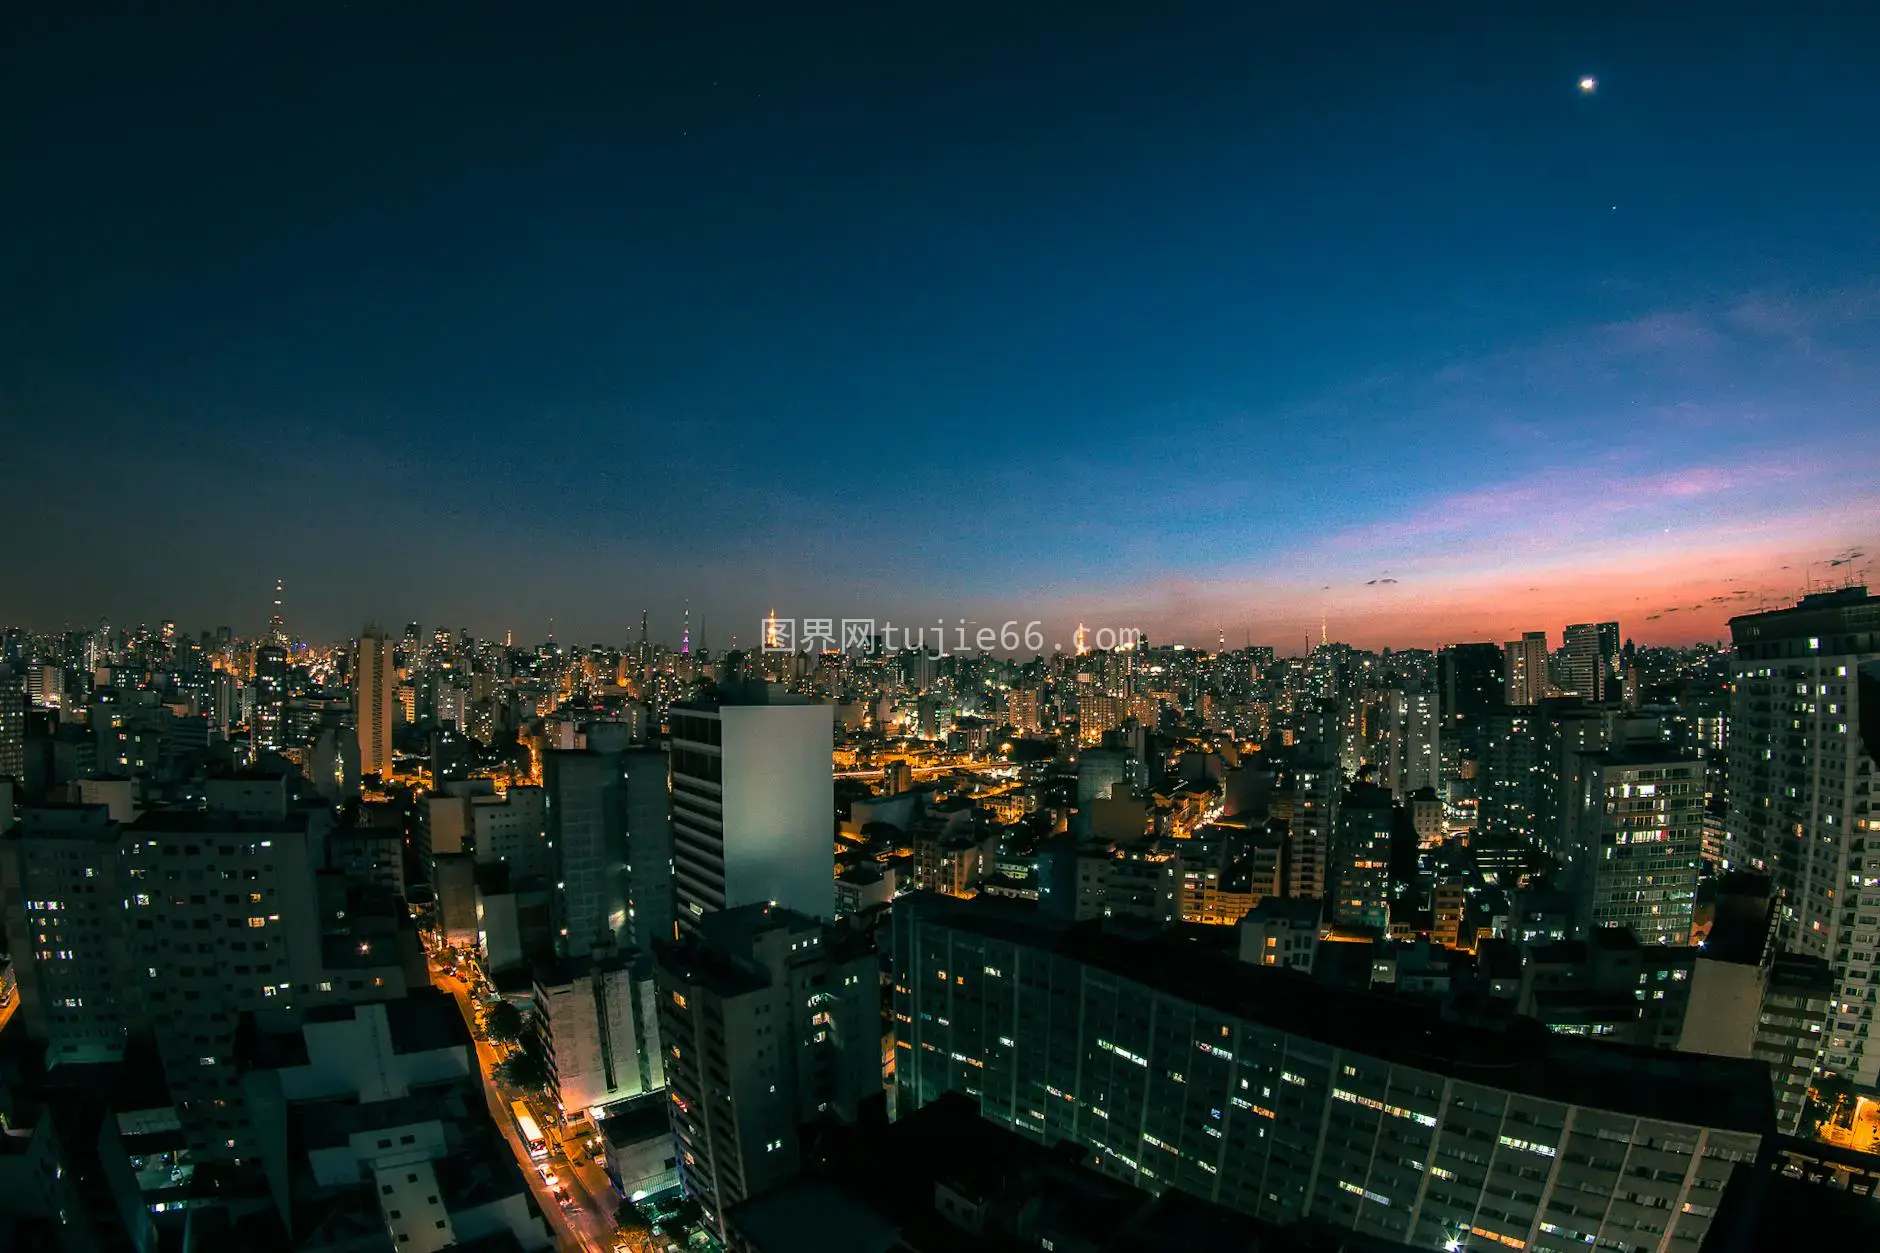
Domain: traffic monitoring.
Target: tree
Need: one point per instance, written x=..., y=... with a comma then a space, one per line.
x=523, y=1069
x=503, y=1023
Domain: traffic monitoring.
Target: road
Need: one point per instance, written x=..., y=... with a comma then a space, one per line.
x=588, y=1225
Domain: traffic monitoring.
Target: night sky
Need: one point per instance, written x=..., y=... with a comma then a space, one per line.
x=1202, y=321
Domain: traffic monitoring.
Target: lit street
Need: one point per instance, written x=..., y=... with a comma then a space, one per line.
x=587, y=1222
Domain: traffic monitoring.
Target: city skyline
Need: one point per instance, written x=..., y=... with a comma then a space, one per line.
x=676, y=630
x=1224, y=325
x=745, y=628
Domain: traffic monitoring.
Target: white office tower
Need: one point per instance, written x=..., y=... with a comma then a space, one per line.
x=753, y=804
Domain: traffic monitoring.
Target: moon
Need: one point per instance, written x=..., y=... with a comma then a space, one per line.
x=1589, y=85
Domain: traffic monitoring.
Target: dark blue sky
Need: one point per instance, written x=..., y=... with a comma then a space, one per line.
x=1196, y=320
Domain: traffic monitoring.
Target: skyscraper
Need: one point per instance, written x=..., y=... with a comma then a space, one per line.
x=277, y=621
x=1804, y=794
x=753, y=803
x=270, y=696
x=375, y=675
x=1524, y=669
x=1593, y=660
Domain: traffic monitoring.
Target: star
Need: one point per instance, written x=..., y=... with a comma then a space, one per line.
x=1589, y=85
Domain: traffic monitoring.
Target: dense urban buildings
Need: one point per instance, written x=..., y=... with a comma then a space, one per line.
x=772, y=1021
x=888, y=632
x=698, y=906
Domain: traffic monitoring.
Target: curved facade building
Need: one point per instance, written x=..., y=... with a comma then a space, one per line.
x=1259, y=1089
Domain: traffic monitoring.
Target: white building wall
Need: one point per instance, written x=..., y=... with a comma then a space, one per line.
x=779, y=807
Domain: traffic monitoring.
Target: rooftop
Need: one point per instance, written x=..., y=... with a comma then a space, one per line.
x=1527, y=1058
x=332, y=1123
x=182, y=820
x=734, y=695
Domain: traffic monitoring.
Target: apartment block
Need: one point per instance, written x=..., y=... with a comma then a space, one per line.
x=771, y=1020
x=1287, y=1101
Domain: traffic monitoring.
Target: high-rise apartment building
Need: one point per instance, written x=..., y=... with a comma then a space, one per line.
x=1509, y=782
x=45, y=686
x=1645, y=818
x=513, y=829
x=64, y=906
x=1361, y=858
x=184, y=921
x=1097, y=713
x=753, y=803
x=609, y=844
x=770, y=1020
x=587, y=831
x=1305, y=798
x=1413, y=741
x=1593, y=660
x=375, y=677
x=12, y=726
x=226, y=918
x=270, y=687
x=1524, y=669
x=1472, y=684
x=1287, y=1100
x=1804, y=794
x=1021, y=710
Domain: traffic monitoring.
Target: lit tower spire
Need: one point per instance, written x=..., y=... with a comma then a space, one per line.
x=277, y=622
x=685, y=633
